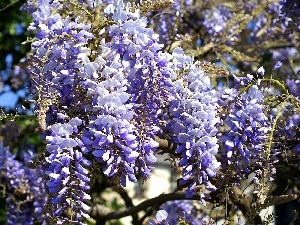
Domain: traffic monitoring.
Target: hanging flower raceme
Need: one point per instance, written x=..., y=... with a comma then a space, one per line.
x=110, y=135
x=193, y=113
x=56, y=64
x=244, y=145
x=289, y=129
x=68, y=177
x=127, y=84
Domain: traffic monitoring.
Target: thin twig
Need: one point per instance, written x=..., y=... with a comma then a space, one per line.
x=9, y=5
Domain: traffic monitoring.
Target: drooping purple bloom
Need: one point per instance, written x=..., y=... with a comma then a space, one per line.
x=248, y=129
x=68, y=178
x=127, y=86
x=193, y=119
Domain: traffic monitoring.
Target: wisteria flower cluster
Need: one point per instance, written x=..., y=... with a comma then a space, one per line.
x=247, y=135
x=110, y=99
x=121, y=94
x=193, y=126
x=127, y=98
x=185, y=210
x=23, y=188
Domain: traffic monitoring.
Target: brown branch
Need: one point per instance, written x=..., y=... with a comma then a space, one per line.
x=128, y=202
x=243, y=203
x=165, y=145
x=147, y=213
x=278, y=44
x=99, y=214
x=239, y=199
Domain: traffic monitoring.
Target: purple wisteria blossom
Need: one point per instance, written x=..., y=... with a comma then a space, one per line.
x=293, y=87
x=290, y=127
x=59, y=41
x=183, y=210
x=244, y=145
x=92, y=4
x=180, y=212
x=127, y=86
x=23, y=188
x=291, y=10
x=161, y=218
x=68, y=176
x=215, y=20
x=193, y=112
x=168, y=22
x=109, y=97
x=277, y=65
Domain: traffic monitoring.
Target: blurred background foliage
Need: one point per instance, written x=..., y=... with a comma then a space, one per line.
x=13, y=32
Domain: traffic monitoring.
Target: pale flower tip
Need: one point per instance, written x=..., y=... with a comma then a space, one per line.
x=261, y=71
x=161, y=215
x=277, y=65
